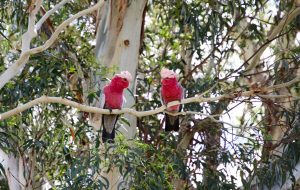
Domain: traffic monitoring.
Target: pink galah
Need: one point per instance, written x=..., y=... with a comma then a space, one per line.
x=113, y=99
x=171, y=90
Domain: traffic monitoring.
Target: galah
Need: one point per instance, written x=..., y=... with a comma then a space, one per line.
x=171, y=90
x=113, y=99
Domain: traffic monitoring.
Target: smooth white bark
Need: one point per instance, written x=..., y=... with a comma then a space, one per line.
x=13, y=171
x=49, y=13
x=118, y=43
x=128, y=56
x=19, y=64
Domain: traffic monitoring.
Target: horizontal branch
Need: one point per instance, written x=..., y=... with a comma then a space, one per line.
x=199, y=99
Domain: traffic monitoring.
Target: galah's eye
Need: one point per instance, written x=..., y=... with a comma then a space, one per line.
x=124, y=79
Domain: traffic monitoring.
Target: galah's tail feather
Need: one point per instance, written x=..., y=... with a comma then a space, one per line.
x=108, y=123
x=108, y=137
x=172, y=122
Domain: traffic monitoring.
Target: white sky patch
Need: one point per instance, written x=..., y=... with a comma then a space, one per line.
x=234, y=117
x=268, y=57
x=297, y=40
x=92, y=42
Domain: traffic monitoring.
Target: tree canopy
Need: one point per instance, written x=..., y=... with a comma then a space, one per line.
x=237, y=60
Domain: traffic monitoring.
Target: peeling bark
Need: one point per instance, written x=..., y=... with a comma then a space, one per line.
x=117, y=44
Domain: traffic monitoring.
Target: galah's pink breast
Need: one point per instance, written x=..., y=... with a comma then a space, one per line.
x=113, y=100
x=170, y=94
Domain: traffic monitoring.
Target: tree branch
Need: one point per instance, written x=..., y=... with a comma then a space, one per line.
x=31, y=32
x=17, y=67
x=273, y=33
x=252, y=93
x=48, y=13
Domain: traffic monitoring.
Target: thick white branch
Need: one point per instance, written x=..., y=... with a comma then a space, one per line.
x=48, y=13
x=11, y=165
x=31, y=32
x=199, y=99
x=273, y=33
x=16, y=67
x=62, y=26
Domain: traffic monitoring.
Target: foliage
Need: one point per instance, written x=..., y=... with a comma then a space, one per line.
x=199, y=40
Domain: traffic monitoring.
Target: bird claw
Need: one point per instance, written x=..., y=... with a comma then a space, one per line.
x=166, y=105
x=110, y=110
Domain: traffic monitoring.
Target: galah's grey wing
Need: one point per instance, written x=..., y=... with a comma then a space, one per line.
x=108, y=123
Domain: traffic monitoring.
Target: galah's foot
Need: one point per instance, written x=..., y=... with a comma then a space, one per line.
x=166, y=104
x=110, y=110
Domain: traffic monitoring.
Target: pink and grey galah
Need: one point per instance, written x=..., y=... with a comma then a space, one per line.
x=171, y=90
x=113, y=99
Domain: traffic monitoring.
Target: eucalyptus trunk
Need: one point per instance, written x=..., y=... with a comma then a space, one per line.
x=118, y=42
